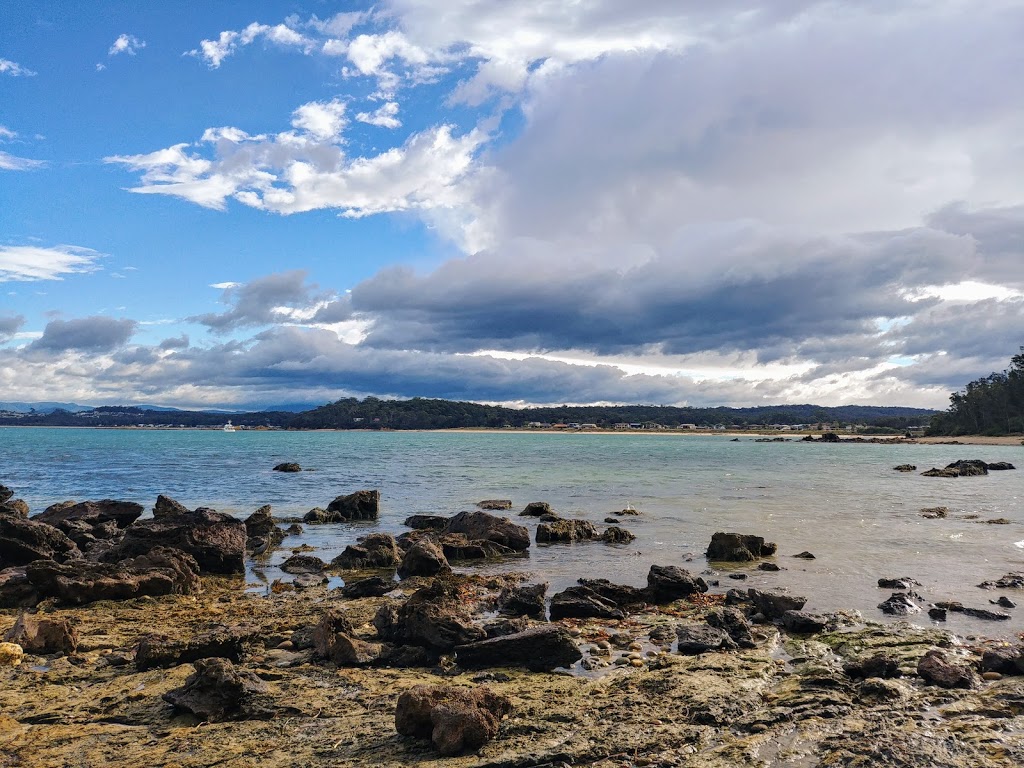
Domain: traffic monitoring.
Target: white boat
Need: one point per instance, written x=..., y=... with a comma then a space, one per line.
x=229, y=427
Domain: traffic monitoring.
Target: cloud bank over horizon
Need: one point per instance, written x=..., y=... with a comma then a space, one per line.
x=677, y=203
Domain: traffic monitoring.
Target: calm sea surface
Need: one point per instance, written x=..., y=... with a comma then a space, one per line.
x=844, y=503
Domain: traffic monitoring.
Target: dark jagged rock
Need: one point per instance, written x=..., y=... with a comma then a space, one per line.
x=506, y=626
x=977, y=613
x=906, y=468
x=899, y=604
x=877, y=665
x=566, y=531
x=768, y=567
x=303, y=564
x=1004, y=601
x=372, y=587
x=524, y=600
x=999, y=466
x=165, y=505
x=23, y=541
x=536, y=509
x=424, y=558
x=582, y=603
x=288, y=466
x=805, y=555
x=803, y=622
x=378, y=550
x=5, y=493
x=773, y=605
x=694, y=639
x=666, y=583
x=16, y=591
x=737, y=597
x=935, y=668
x=434, y=617
x=162, y=651
x=455, y=719
x=495, y=505
x=426, y=522
x=961, y=468
x=620, y=594
x=216, y=691
x=214, y=539
x=540, y=649
x=829, y=437
x=361, y=505
x=260, y=526
x=320, y=516
x=937, y=614
x=1009, y=581
x=617, y=535
x=457, y=546
x=84, y=522
x=935, y=513
x=738, y=547
x=1004, y=659
x=732, y=622
x=18, y=507
x=334, y=639
x=162, y=571
x=478, y=525
x=43, y=636
x=903, y=582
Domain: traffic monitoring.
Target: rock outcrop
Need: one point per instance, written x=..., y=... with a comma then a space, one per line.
x=540, y=649
x=454, y=719
x=434, y=617
x=43, y=636
x=216, y=691
x=87, y=521
x=424, y=558
x=738, y=547
x=23, y=541
x=378, y=550
x=566, y=531
x=477, y=525
x=666, y=583
x=214, y=539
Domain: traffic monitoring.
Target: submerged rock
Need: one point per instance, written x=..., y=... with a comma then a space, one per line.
x=455, y=719
x=540, y=649
x=617, y=535
x=495, y=505
x=288, y=466
x=566, y=531
x=903, y=582
x=906, y=468
x=738, y=547
x=899, y=604
x=536, y=509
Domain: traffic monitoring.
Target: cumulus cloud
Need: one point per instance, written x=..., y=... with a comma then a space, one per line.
x=29, y=262
x=9, y=326
x=385, y=116
x=128, y=44
x=213, y=52
x=88, y=334
x=265, y=301
x=14, y=69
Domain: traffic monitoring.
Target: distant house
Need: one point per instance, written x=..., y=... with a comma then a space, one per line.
x=621, y=425
x=687, y=426
x=587, y=426
x=652, y=425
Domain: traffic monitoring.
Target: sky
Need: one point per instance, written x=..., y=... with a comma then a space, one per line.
x=680, y=202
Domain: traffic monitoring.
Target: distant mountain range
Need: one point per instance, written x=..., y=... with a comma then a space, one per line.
x=50, y=407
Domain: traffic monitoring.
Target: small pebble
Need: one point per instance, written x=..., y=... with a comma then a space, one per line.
x=634, y=656
x=636, y=662
x=604, y=645
x=636, y=646
x=991, y=676
x=287, y=645
x=574, y=631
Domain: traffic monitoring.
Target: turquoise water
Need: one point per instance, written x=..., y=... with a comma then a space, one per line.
x=844, y=503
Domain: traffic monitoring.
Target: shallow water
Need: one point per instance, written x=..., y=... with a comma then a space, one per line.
x=843, y=502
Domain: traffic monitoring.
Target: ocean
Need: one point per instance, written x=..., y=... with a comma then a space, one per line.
x=844, y=503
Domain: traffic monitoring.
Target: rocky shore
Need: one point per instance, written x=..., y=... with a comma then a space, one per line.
x=135, y=640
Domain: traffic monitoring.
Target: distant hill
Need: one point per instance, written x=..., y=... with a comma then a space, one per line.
x=423, y=413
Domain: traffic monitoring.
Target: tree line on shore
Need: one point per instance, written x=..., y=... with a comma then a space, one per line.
x=424, y=413
x=991, y=405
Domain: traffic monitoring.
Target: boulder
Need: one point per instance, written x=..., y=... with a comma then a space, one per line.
x=156, y=650
x=583, y=603
x=566, y=531
x=426, y=522
x=378, y=550
x=902, y=582
x=899, y=604
x=620, y=594
x=878, y=665
x=732, y=622
x=540, y=649
x=803, y=622
x=766, y=566
x=773, y=604
x=738, y=547
x=11, y=655
x=361, y=505
x=165, y=505
x=1013, y=580
x=1004, y=659
x=666, y=583
x=5, y=493
x=23, y=541
x=616, y=535
x=214, y=539
x=17, y=507
x=424, y=558
x=288, y=466
x=999, y=466
x=694, y=639
x=523, y=600
x=935, y=668
x=162, y=571
x=260, y=526
x=477, y=525
x=455, y=719
x=320, y=516
x=457, y=546
x=303, y=564
x=495, y=505
x=829, y=437
x=375, y=586
x=536, y=509
x=91, y=515
x=961, y=468
x=506, y=626
x=334, y=639
x=216, y=691
x=16, y=591
x=43, y=636
x=805, y=555
x=434, y=617
x=906, y=468
x=977, y=613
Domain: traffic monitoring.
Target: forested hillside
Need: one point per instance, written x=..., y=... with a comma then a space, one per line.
x=993, y=405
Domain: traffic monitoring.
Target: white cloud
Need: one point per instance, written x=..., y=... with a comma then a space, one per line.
x=14, y=69
x=324, y=121
x=30, y=263
x=213, y=52
x=384, y=116
x=9, y=162
x=126, y=44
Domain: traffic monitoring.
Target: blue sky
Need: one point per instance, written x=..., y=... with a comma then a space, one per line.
x=240, y=204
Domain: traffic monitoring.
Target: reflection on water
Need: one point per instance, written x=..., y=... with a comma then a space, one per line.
x=844, y=503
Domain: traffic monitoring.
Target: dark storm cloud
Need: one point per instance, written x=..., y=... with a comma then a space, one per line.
x=10, y=325
x=87, y=334
x=175, y=342
x=263, y=301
